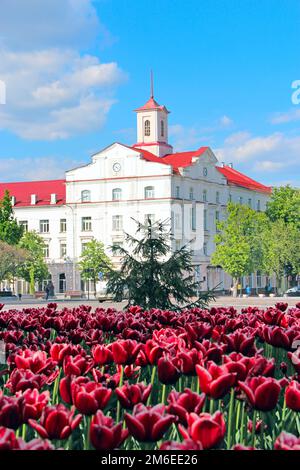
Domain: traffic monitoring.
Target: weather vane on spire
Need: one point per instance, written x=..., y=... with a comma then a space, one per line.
x=151, y=84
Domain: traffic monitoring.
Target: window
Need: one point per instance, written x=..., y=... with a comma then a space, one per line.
x=177, y=221
x=250, y=202
x=204, y=196
x=177, y=192
x=193, y=218
x=149, y=192
x=217, y=197
x=162, y=128
x=150, y=217
x=205, y=248
x=191, y=195
x=258, y=205
x=63, y=249
x=62, y=283
x=46, y=250
x=86, y=224
x=85, y=196
x=230, y=198
x=44, y=226
x=116, y=194
x=205, y=219
x=205, y=171
x=147, y=127
x=83, y=247
x=117, y=223
x=63, y=225
x=24, y=224
x=240, y=200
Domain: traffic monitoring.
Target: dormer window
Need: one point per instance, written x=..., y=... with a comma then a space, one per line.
x=147, y=128
x=85, y=196
x=162, y=128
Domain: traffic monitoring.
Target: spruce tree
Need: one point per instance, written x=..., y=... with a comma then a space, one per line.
x=152, y=275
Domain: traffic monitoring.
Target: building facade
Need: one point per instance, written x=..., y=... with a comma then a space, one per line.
x=189, y=190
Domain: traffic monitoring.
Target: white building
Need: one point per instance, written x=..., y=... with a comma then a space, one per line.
x=99, y=200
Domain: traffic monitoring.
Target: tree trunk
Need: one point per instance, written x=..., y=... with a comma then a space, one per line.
x=235, y=287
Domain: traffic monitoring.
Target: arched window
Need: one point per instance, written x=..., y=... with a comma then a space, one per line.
x=149, y=192
x=116, y=194
x=162, y=128
x=191, y=194
x=204, y=195
x=147, y=127
x=85, y=196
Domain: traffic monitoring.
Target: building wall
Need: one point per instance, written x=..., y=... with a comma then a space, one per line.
x=190, y=201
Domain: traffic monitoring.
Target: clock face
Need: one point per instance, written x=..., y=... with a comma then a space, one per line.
x=116, y=167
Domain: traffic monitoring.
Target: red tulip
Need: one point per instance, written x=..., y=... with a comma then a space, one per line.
x=186, y=444
x=90, y=397
x=36, y=361
x=125, y=351
x=77, y=365
x=262, y=392
x=57, y=422
x=214, y=380
x=282, y=306
x=23, y=379
x=8, y=440
x=168, y=372
x=11, y=411
x=34, y=403
x=104, y=434
x=181, y=404
x=187, y=361
x=207, y=429
x=242, y=447
x=131, y=395
x=292, y=396
x=148, y=424
x=35, y=444
x=102, y=355
x=241, y=342
x=287, y=441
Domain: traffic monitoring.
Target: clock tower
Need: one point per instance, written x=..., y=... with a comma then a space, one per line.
x=152, y=127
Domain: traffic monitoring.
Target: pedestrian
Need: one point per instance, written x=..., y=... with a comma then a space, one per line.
x=47, y=290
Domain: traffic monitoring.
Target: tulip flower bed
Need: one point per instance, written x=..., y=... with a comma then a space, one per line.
x=189, y=380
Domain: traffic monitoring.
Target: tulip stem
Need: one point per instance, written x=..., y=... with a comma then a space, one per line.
x=23, y=431
x=152, y=382
x=120, y=385
x=211, y=406
x=242, y=424
x=253, y=428
x=229, y=424
x=163, y=394
x=283, y=414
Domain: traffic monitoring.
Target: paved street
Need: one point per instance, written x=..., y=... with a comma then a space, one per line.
x=238, y=303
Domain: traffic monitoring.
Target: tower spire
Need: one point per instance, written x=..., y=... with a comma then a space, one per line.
x=151, y=84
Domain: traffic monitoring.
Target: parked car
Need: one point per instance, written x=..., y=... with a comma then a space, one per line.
x=293, y=292
x=102, y=294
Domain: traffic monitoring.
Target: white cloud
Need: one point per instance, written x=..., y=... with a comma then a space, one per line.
x=35, y=24
x=36, y=168
x=53, y=91
x=273, y=152
x=289, y=116
x=225, y=121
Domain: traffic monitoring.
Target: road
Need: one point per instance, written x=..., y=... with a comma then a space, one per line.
x=238, y=302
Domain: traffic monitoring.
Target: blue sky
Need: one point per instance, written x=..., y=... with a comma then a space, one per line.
x=75, y=70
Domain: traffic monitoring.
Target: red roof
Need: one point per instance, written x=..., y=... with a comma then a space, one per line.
x=152, y=104
x=236, y=178
x=176, y=160
x=43, y=190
